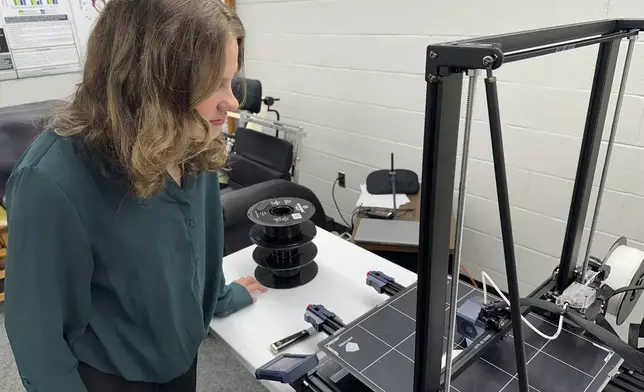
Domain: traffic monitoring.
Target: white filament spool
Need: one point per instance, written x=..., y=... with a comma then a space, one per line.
x=626, y=269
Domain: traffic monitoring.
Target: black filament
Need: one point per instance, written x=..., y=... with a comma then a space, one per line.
x=283, y=233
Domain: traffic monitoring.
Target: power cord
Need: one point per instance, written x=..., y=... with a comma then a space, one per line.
x=464, y=269
x=401, y=213
x=486, y=277
x=632, y=357
x=336, y=204
x=354, y=215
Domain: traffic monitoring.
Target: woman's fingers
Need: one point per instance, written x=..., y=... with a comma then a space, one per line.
x=251, y=284
x=256, y=286
x=245, y=281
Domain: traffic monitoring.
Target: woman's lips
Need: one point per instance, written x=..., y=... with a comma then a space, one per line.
x=218, y=122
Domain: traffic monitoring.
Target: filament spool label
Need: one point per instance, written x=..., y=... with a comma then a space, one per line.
x=280, y=212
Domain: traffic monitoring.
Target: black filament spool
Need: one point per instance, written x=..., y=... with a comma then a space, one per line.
x=268, y=277
x=285, y=262
x=283, y=234
x=283, y=237
x=281, y=212
x=286, y=232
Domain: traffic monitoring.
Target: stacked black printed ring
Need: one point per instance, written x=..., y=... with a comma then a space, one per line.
x=283, y=234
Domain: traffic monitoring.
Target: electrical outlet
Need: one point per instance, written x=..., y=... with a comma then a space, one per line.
x=341, y=182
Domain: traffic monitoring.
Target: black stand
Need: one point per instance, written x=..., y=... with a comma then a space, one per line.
x=270, y=101
x=392, y=179
x=445, y=66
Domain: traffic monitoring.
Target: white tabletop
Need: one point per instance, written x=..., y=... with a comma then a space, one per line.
x=340, y=286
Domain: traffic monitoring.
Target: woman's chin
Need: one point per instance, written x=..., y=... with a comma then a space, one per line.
x=215, y=131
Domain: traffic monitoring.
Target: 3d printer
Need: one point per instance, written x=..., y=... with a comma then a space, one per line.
x=577, y=294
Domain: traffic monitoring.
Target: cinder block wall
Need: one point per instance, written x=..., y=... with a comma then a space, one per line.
x=351, y=73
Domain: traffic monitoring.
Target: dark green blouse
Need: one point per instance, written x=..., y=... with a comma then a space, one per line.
x=97, y=275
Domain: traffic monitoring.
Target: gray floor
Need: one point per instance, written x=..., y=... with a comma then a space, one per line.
x=218, y=370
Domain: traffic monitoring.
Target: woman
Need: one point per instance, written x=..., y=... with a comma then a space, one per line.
x=116, y=233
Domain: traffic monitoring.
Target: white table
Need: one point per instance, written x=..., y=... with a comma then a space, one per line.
x=340, y=286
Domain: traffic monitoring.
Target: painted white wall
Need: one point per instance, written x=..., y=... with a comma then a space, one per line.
x=351, y=73
x=19, y=91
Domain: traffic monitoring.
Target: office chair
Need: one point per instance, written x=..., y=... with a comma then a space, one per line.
x=258, y=157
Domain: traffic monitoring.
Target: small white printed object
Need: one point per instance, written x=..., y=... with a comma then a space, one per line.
x=352, y=347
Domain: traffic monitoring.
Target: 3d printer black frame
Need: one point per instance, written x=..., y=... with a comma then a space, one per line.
x=445, y=65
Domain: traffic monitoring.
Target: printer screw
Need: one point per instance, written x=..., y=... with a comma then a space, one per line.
x=488, y=61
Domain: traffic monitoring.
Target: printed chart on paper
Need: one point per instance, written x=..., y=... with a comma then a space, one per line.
x=85, y=15
x=40, y=37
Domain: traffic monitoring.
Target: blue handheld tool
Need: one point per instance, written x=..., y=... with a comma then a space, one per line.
x=287, y=368
x=290, y=340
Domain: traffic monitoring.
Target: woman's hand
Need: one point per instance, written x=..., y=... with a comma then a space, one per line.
x=252, y=285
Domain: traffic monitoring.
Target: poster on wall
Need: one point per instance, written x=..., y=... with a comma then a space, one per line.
x=85, y=15
x=40, y=37
x=7, y=70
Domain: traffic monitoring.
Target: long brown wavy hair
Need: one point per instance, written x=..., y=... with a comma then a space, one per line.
x=149, y=64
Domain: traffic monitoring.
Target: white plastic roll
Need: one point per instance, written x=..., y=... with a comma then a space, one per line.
x=626, y=269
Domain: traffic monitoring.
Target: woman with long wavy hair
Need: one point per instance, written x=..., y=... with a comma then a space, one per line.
x=115, y=224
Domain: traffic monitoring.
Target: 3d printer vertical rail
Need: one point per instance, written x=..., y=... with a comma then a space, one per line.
x=439, y=164
x=590, y=144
